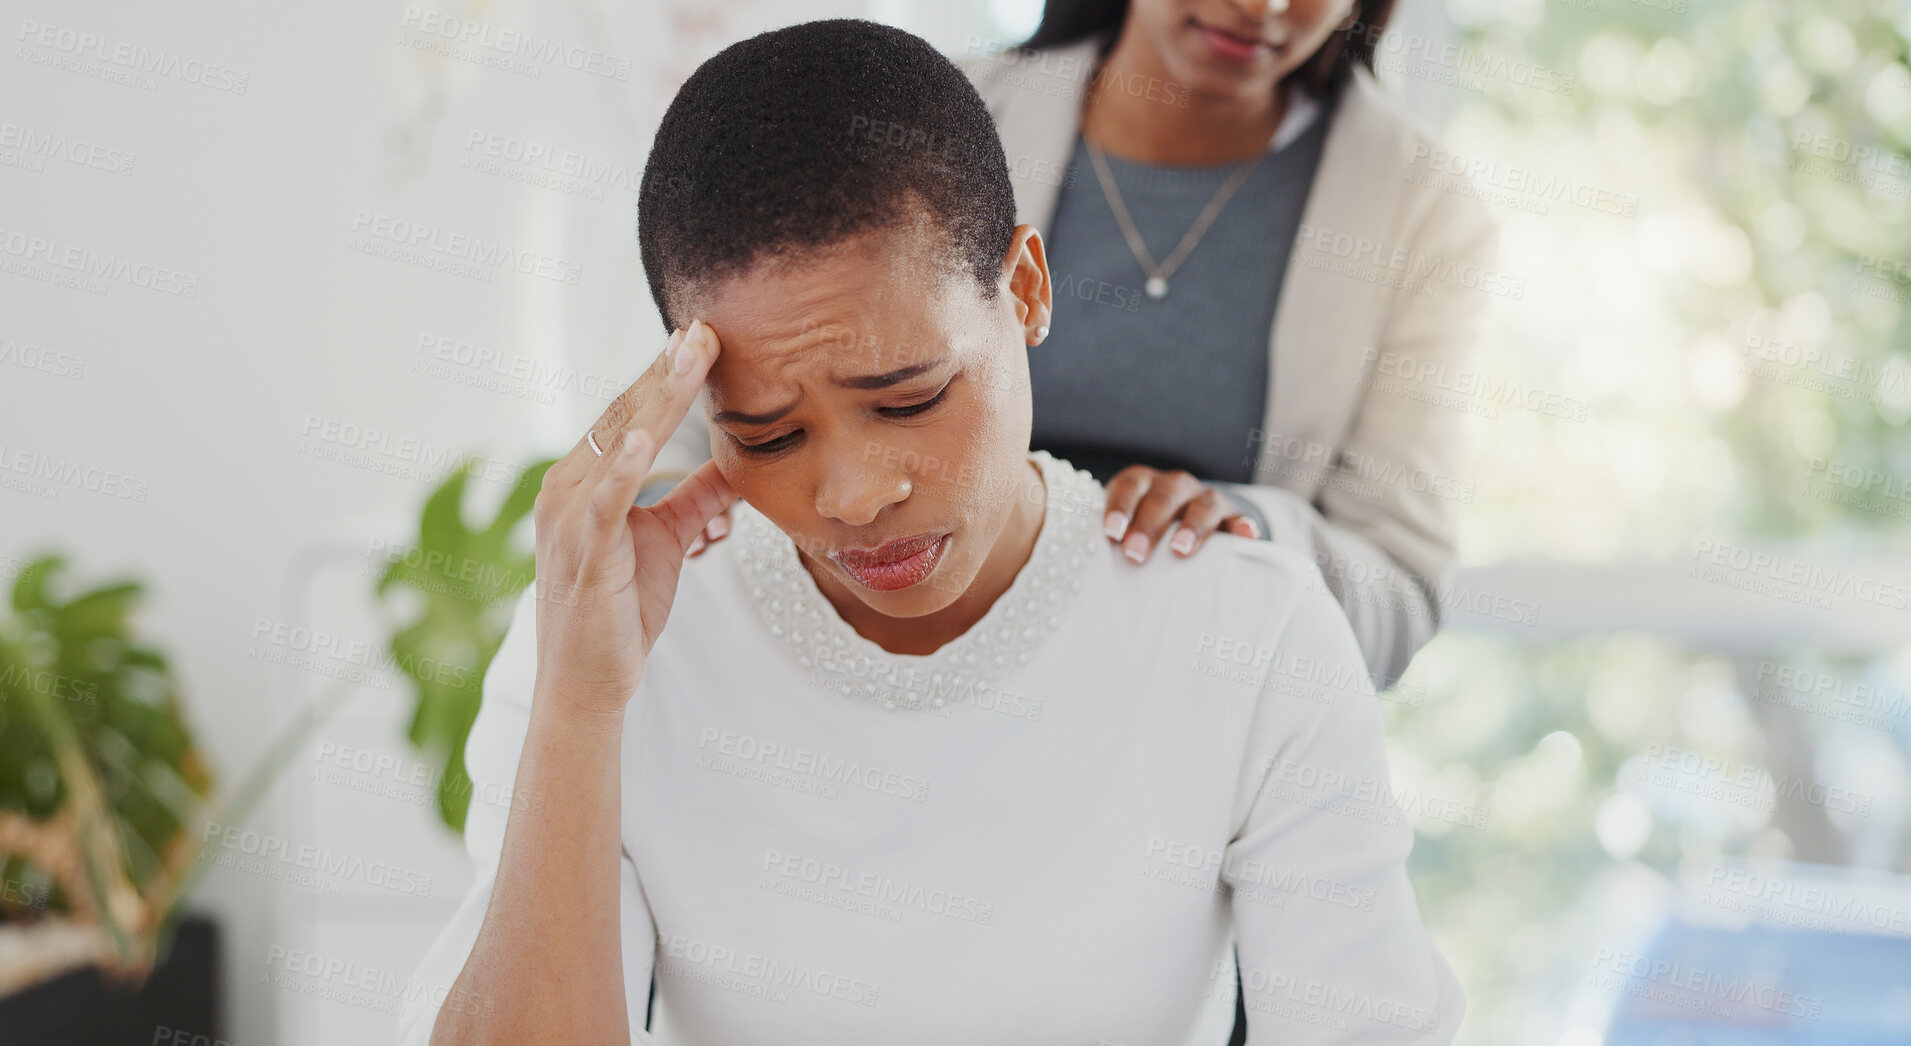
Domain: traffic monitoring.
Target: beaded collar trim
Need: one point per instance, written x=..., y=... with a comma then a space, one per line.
x=834, y=656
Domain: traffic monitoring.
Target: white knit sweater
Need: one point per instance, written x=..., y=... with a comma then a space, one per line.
x=1130, y=772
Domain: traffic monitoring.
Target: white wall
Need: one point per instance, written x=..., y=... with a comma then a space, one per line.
x=211, y=404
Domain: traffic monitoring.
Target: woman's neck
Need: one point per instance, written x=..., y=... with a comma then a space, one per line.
x=930, y=632
x=1212, y=129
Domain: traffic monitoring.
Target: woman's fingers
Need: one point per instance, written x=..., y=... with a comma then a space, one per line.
x=1125, y=489
x=581, y=459
x=1144, y=504
x=1202, y=517
x=655, y=403
x=625, y=464
x=691, y=505
x=1168, y=494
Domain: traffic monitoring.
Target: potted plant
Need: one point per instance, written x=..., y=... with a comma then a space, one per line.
x=101, y=786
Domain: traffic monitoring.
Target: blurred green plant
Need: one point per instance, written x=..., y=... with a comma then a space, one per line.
x=100, y=780
x=467, y=578
x=101, y=784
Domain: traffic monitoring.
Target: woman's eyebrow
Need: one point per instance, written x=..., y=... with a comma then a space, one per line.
x=868, y=381
x=894, y=377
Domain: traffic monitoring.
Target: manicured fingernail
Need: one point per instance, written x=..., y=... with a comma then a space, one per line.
x=718, y=527
x=1115, y=524
x=686, y=356
x=1183, y=541
x=1136, y=547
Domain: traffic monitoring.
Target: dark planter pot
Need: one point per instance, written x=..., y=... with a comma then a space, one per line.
x=177, y=1006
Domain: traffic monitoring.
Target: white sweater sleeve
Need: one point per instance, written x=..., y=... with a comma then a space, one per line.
x=491, y=760
x=1330, y=942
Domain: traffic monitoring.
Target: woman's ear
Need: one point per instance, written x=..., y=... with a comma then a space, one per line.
x=1026, y=268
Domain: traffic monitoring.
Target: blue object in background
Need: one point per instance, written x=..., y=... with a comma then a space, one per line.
x=1760, y=985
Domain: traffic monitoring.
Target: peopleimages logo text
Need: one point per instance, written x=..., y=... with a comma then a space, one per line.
x=81, y=44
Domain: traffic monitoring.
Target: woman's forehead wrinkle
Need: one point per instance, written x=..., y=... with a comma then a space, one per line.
x=771, y=356
x=870, y=305
x=852, y=332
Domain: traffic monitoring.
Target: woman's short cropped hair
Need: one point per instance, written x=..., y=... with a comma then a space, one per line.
x=798, y=138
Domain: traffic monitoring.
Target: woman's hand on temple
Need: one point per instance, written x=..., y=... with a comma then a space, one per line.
x=1143, y=503
x=606, y=569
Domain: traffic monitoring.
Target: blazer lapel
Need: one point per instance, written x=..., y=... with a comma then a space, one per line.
x=1326, y=318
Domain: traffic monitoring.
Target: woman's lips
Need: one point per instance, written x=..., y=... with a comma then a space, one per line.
x=894, y=564
x=1231, y=47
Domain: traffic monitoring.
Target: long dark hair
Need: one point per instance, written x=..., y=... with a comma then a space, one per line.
x=1071, y=21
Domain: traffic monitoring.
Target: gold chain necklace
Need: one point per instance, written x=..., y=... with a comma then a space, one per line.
x=1157, y=285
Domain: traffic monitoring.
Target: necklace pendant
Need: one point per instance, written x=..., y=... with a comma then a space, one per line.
x=1157, y=288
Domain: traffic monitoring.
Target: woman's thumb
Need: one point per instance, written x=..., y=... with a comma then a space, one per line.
x=692, y=504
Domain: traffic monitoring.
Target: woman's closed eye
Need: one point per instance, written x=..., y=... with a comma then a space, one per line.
x=914, y=409
x=790, y=439
x=770, y=446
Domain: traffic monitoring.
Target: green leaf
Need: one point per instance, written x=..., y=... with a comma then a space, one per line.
x=29, y=590
x=469, y=578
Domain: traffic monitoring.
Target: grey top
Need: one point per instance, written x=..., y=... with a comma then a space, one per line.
x=1174, y=383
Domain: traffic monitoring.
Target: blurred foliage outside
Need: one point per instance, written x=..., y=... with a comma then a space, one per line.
x=1720, y=290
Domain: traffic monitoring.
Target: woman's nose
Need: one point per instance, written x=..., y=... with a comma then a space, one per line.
x=1259, y=9
x=857, y=491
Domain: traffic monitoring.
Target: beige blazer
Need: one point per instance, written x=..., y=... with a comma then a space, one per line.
x=1390, y=276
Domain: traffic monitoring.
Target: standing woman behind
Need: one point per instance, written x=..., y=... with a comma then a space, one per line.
x=1200, y=170
x=1239, y=242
